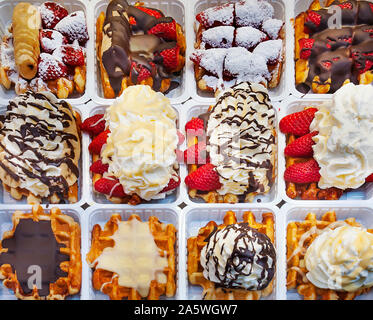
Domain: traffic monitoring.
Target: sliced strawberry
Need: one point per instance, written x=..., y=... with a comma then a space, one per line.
x=97, y=143
x=99, y=167
x=50, y=40
x=196, y=154
x=71, y=55
x=165, y=29
x=298, y=123
x=301, y=147
x=151, y=12
x=94, y=125
x=169, y=57
x=181, y=138
x=370, y=178
x=195, y=127
x=205, y=178
x=304, y=172
x=50, y=68
x=305, y=48
x=173, y=184
x=74, y=27
x=345, y=6
x=313, y=18
x=51, y=13
x=111, y=187
x=139, y=72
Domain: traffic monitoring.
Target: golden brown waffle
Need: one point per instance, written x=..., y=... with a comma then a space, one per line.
x=67, y=233
x=196, y=244
x=296, y=269
x=107, y=282
x=309, y=191
x=71, y=196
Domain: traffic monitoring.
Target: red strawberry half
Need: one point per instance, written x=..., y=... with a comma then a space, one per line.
x=298, y=123
x=151, y=12
x=111, y=187
x=94, y=125
x=51, y=13
x=50, y=68
x=96, y=145
x=50, y=40
x=173, y=184
x=165, y=28
x=99, y=167
x=346, y=6
x=139, y=72
x=301, y=147
x=304, y=172
x=71, y=55
x=195, y=127
x=313, y=18
x=306, y=47
x=205, y=178
x=169, y=57
x=196, y=154
x=74, y=27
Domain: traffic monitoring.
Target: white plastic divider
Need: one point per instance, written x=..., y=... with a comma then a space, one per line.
x=282, y=12
x=192, y=109
x=100, y=215
x=6, y=12
x=174, y=8
x=196, y=217
x=363, y=212
x=291, y=105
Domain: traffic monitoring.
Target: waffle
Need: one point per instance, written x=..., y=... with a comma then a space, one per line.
x=67, y=233
x=310, y=73
x=309, y=191
x=296, y=269
x=195, y=270
x=107, y=282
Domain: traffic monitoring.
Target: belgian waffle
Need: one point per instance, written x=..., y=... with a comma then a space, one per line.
x=107, y=282
x=195, y=270
x=67, y=234
x=297, y=243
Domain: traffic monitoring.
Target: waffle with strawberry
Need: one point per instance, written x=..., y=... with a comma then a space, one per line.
x=327, y=58
x=61, y=67
x=231, y=151
x=238, y=42
x=138, y=45
x=152, y=172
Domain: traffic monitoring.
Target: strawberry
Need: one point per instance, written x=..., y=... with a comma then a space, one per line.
x=301, y=147
x=50, y=40
x=205, y=178
x=181, y=138
x=314, y=18
x=50, y=68
x=164, y=28
x=346, y=6
x=74, y=27
x=96, y=145
x=298, y=123
x=94, y=125
x=169, y=58
x=371, y=6
x=139, y=72
x=217, y=16
x=306, y=48
x=326, y=64
x=195, y=127
x=51, y=13
x=370, y=178
x=71, y=55
x=303, y=172
x=195, y=154
x=111, y=187
x=99, y=167
x=151, y=12
x=173, y=184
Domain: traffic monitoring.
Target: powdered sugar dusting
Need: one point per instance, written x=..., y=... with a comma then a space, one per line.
x=219, y=37
x=270, y=50
x=51, y=40
x=74, y=27
x=272, y=27
x=249, y=37
x=221, y=15
x=48, y=63
x=253, y=12
x=212, y=60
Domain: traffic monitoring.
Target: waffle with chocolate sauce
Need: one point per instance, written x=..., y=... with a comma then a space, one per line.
x=40, y=149
x=238, y=42
x=138, y=45
x=299, y=237
x=108, y=282
x=212, y=291
x=48, y=241
x=326, y=58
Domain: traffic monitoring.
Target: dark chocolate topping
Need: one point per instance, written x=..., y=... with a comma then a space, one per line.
x=34, y=244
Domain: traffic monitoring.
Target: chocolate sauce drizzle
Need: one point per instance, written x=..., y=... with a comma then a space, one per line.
x=340, y=54
x=28, y=137
x=251, y=250
x=253, y=138
x=119, y=57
